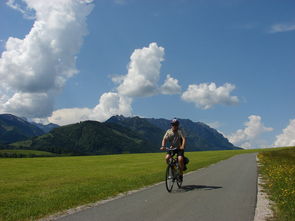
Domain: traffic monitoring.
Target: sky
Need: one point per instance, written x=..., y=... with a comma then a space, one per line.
x=227, y=63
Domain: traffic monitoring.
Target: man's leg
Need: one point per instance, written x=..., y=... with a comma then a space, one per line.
x=181, y=164
x=168, y=156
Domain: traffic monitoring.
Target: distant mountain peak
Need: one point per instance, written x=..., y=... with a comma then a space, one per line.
x=117, y=118
x=15, y=128
x=45, y=127
x=11, y=117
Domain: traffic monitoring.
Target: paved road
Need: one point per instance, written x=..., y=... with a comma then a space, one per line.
x=225, y=191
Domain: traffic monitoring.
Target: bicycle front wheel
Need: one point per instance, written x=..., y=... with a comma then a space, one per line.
x=169, y=178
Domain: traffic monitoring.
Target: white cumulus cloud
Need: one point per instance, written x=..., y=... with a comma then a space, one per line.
x=287, y=138
x=143, y=72
x=25, y=10
x=140, y=81
x=206, y=95
x=110, y=104
x=170, y=86
x=34, y=69
x=68, y=116
x=26, y=104
x=250, y=135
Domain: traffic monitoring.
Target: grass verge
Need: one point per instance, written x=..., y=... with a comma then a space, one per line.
x=278, y=170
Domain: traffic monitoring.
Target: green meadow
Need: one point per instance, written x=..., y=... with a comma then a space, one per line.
x=25, y=153
x=31, y=188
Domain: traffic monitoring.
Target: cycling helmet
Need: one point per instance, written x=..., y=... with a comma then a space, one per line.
x=175, y=122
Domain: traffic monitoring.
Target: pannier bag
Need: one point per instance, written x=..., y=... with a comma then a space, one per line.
x=186, y=160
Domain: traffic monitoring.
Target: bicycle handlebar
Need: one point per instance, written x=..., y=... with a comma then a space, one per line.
x=170, y=148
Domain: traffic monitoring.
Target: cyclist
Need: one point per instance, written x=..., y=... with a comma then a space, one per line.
x=176, y=139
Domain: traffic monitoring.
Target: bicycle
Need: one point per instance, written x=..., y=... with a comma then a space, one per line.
x=172, y=171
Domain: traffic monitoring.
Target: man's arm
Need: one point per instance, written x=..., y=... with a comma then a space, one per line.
x=164, y=141
x=183, y=141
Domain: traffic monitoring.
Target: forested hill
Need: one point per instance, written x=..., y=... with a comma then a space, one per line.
x=89, y=138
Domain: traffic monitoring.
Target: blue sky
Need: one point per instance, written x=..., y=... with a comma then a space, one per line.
x=227, y=63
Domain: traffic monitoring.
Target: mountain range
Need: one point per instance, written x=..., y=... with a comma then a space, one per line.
x=119, y=134
x=199, y=135
x=13, y=128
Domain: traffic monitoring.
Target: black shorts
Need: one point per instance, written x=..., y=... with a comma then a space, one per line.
x=178, y=152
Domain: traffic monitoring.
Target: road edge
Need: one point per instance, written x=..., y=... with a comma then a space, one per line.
x=91, y=205
x=263, y=209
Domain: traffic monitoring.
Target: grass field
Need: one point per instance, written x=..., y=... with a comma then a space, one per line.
x=25, y=153
x=31, y=188
x=278, y=170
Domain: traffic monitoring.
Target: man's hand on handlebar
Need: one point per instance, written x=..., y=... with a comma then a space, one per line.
x=163, y=148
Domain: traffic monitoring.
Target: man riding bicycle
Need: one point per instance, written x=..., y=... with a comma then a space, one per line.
x=176, y=139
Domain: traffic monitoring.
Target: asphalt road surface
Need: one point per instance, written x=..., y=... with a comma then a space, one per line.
x=225, y=191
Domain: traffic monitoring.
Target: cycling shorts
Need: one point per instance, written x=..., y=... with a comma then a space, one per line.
x=178, y=152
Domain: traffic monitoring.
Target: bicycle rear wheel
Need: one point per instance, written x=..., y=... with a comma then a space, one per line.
x=179, y=182
x=169, y=178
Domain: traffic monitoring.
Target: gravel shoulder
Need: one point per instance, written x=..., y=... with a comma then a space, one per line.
x=263, y=210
